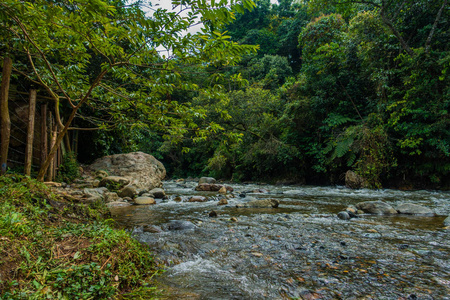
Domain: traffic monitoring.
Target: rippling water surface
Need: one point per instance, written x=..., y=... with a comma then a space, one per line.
x=299, y=250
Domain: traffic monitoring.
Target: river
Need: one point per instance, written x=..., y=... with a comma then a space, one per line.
x=299, y=250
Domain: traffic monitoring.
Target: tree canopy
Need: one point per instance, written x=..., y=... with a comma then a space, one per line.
x=334, y=86
x=105, y=55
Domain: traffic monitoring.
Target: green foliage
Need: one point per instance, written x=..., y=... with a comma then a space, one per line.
x=60, y=250
x=270, y=71
x=336, y=85
x=69, y=170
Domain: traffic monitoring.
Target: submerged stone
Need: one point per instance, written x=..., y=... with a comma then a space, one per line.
x=414, y=209
x=447, y=221
x=180, y=225
x=264, y=203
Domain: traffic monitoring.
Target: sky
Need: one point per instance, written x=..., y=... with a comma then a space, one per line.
x=167, y=4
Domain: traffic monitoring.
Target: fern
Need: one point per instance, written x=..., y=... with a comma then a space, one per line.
x=335, y=120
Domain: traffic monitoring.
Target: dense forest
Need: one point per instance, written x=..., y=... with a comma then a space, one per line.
x=293, y=92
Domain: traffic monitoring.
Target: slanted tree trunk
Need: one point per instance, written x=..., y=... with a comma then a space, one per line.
x=6, y=122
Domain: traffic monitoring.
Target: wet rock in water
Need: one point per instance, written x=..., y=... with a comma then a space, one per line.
x=343, y=215
x=414, y=209
x=144, y=200
x=233, y=219
x=242, y=195
x=181, y=180
x=351, y=209
x=223, y=201
x=264, y=203
x=128, y=191
x=114, y=182
x=213, y=214
x=223, y=190
x=376, y=207
x=177, y=199
x=209, y=187
x=354, y=181
x=447, y=221
x=403, y=246
x=152, y=229
x=180, y=225
x=206, y=180
x=309, y=295
x=158, y=193
x=260, y=191
x=198, y=199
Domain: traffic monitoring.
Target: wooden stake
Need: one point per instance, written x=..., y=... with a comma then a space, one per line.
x=44, y=133
x=4, y=111
x=52, y=142
x=30, y=135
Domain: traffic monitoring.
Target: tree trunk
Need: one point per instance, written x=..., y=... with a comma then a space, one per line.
x=30, y=135
x=52, y=158
x=4, y=111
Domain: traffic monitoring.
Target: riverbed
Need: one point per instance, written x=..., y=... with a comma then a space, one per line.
x=299, y=250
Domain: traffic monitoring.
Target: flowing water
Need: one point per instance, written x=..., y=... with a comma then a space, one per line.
x=299, y=250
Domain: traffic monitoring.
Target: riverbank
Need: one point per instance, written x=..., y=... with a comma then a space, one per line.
x=54, y=248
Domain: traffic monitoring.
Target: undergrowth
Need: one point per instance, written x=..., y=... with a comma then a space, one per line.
x=54, y=249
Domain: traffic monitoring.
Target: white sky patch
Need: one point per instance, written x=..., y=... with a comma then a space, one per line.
x=167, y=4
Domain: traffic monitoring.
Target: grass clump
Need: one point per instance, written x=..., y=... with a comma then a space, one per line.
x=54, y=249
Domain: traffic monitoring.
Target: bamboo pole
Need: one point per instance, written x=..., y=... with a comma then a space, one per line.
x=4, y=111
x=52, y=143
x=44, y=133
x=54, y=159
x=30, y=135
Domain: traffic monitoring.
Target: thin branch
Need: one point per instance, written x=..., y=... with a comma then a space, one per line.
x=396, y=33
x=47, y=63
x=49, y=90
x=430, y=36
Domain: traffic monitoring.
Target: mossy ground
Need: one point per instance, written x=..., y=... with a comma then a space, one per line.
x=54, y=249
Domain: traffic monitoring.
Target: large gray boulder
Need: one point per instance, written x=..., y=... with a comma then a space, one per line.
x=143, y=170
x=414, y=209
x=376, y=207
